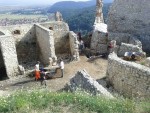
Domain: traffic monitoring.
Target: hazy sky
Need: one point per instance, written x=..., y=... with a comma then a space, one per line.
x=32, y=2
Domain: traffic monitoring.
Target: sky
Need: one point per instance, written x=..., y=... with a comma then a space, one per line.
x=32, y=2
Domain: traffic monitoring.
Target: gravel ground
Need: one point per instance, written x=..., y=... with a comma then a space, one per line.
x=96, y=68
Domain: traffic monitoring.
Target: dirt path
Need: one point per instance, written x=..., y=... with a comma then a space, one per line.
x=96, y=68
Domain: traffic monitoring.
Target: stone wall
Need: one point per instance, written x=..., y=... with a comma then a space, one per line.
x=34, y=42
x=74, y=45
x=130, y=19
x=61, y=36
x=25, y=41
x=8, y=50
x=45, y=41
x=82, y=80
x=129, y=48
x=99, y=40
x=128, y=78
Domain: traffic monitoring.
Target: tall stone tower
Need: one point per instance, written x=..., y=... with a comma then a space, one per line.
x=99, y=13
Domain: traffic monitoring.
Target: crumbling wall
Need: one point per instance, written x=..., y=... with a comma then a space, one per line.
x=61, y=36
x=130, y=19
x=45, y=40
x=82, y=80
x=128, y=78
x=129, y=48
x=74, y=45
x=8, y=51
x=99, y=40
x=25, y=41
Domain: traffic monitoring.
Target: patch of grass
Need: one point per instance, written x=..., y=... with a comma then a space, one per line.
x=39, y=101
x=142, y=63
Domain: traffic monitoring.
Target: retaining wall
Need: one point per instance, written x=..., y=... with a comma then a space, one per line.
x=129, y=78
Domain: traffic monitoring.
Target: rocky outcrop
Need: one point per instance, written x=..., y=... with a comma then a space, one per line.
x=130, y=19
x=84, y=81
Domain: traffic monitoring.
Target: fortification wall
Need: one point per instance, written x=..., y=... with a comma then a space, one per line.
x=130, y=19
x=129, y=78
x=45, y=41
x=25, y=41
x=8, y=52
x=61, y=36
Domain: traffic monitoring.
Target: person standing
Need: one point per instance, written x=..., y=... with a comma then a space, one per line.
x=62, y=67
x=81, y=46
x=43, y=78
x=37, y=71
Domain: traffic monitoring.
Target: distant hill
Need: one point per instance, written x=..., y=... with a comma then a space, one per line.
x=83, y=19
x=71, y=5
x=67, y=5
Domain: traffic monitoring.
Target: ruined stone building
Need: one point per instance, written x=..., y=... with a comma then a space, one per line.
x=129, y=25
x=99, y=13
x=129, y=22
x=99, y=36
x=28, y=43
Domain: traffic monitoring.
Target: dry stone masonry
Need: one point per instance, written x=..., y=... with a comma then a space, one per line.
x=128, y=78
x=9, y=56
x=45, y=41
x=28, y=43
x=99, y=13
x=84, y=81
x=129, y=21
x=58, y=16
x=130, y=48
x=74, y=45
x=99, y=38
